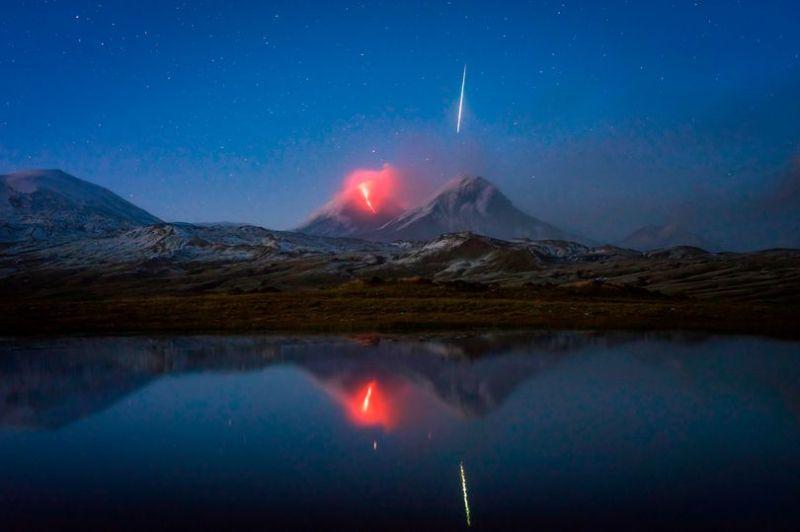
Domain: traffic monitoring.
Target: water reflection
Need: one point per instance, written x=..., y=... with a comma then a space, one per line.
x=52, y=383
x=464, y=492
x=55, y=382
x=553, y=430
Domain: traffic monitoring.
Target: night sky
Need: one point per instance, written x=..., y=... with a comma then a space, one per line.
x=596, y=116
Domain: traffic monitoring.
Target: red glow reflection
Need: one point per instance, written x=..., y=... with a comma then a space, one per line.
x=386, y=401
x=369, y=405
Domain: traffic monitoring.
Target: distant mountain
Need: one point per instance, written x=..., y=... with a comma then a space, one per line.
x=468, y=204
x=652, y=237
x=50, y=204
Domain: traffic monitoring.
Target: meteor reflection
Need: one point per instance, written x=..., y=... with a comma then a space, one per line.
x=464, y=492
x=367, y=396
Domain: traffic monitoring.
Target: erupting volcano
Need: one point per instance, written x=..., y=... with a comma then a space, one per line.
x=368, y=199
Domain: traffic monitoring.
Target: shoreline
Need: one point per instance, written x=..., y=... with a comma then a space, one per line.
x=383, y=310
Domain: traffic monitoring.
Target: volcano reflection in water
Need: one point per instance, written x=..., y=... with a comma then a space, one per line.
x=489, y=431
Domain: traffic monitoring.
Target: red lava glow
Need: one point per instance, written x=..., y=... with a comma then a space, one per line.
x=373, y=191
x=364, y=188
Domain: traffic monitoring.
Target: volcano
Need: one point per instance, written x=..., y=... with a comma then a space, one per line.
x=469, y=204
x=366, y=203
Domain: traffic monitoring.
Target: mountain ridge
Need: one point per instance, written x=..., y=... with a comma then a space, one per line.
x=465, y=203
x=652, y=237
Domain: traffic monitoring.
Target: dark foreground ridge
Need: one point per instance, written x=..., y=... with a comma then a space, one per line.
x=392, y=307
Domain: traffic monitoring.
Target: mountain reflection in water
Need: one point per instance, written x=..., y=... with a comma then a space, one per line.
x=53, y=383
x=508, y=430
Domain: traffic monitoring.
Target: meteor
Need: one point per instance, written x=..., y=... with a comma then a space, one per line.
x=461, y=99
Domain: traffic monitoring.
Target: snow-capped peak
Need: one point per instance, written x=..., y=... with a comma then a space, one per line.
x=473, y=204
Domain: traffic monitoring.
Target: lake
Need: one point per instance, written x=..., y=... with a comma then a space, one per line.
x=485, y=431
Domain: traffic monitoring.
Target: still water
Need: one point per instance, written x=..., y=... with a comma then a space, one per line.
x=501, y=431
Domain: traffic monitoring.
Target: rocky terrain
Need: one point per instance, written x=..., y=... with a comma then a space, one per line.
x=181, y=258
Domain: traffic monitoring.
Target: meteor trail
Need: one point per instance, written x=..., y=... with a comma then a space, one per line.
x=461, y=99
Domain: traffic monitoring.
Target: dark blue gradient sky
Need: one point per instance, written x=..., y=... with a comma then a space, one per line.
x=596, y=116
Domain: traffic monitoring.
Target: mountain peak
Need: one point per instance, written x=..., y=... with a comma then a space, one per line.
x=470, y=192
x=39, y=204
x=468, y=182
x=469, y=203
x=39, y=172
x=27, y=181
